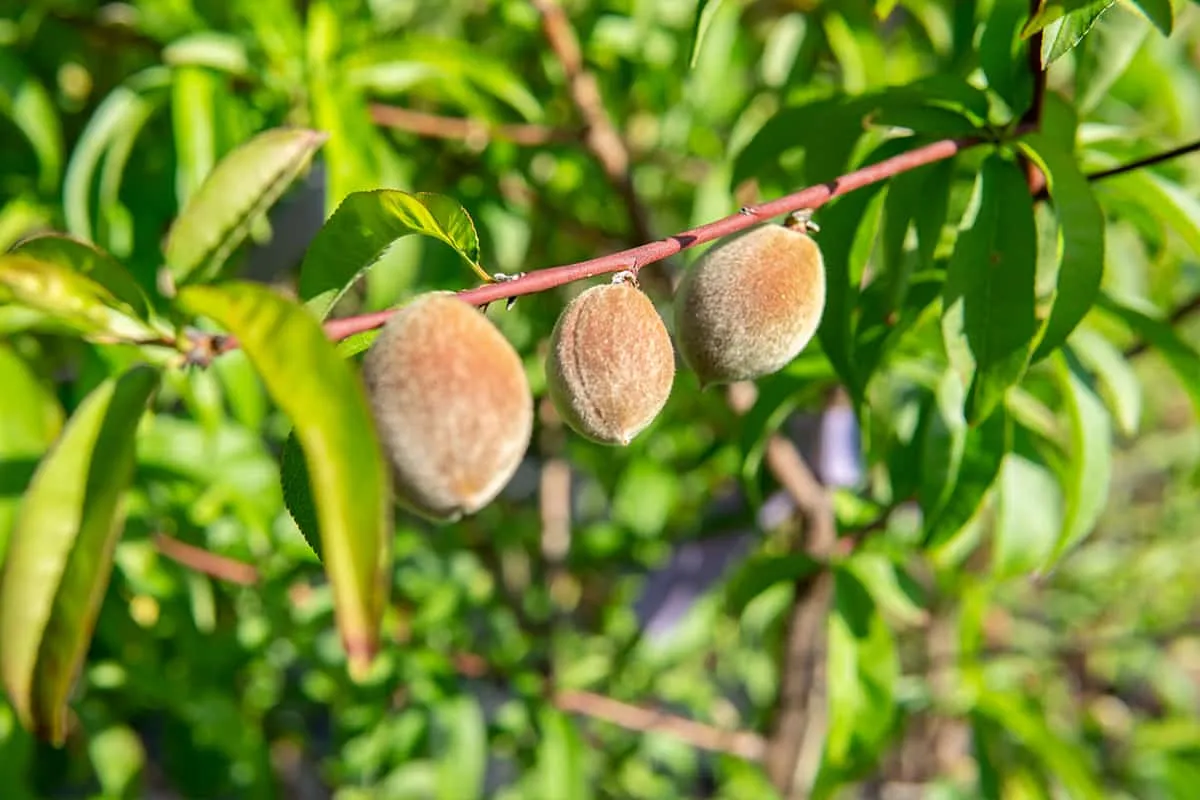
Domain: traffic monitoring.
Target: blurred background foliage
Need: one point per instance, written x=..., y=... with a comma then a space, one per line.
x=965, y=676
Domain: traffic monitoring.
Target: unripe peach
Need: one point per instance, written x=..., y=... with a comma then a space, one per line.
x=750, y=305
x=610, y=367
x=451, y=403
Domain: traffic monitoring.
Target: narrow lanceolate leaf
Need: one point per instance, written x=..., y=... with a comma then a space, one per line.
x=122, y=113
x=25, y=101
x=1081, y=241
x=982, y=455
x=30, y=420
x=70, y=298
x=324, y=397
x=561, y=758
x=242, y=186
x=1159, y=12
x=1028, y=513
x=1118, y=382
x=463, y=739
x=988, y=321
x=365, y=225
x=1158, y=333
x=706, y=11
x=60, y=557
x=1088, y=468
x=1065, y=33
x=92, y=262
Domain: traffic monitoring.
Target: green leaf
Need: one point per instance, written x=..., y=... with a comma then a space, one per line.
x=1028, y=517
x=223, y=52
x=1106, y=54
x=71, y=298
x=242, y=187
x=455, y=70
x=706, y=11
x=463, y=752
x=1088, y=469
x=862, y=674
x=983, y=454
x=365, y=225
x=988, y=321
x=1002, y=55
x=60, y=557
x=561, y=758
x=1182, y=357
x=193, y=114
x=324, y=397
x=1165, y=200
x=1159, y=12
x=1118, y=382
x=25, y=101
x=108, y=135
x=1064, y=34
x=1051, y=10
x=118, y=756
x=881, y=578
x=30, y=419
x=1063, y=758
x=1081, y=224
x=297, y=492
x=91, y=262
x=760, y=572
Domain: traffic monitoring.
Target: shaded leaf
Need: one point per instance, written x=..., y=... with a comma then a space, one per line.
x=297, y=492
x=117, y=119
x=323, y=396
x=1081, y=242
x=240, y=188
x=60, y=555
x=1159, y=12
x=1002, y=55
x=759, y=573
x=363, y=227
x=988, y=321
x=983, y=453
x=25, y=101
x=1165, y=200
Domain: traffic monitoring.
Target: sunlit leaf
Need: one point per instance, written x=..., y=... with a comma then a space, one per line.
x=706, y=11
x=1088, y=471
x=988, y=322
x=463, y=750
x=240, y=188
x=72, y=298
x=323, y=396
x=1115, y=376
x=562, y=758
x=210, y=49
x=1158, y=333
x=1029, y=514
x=91, y=262
x=983, y=453
x=1050, y=10
x=363, y=227
x=193, y=114
x=60, y=554
x=1081, y=243
x=1064, y=34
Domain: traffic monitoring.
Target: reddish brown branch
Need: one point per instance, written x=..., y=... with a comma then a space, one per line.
x=200, y=560
x=470, y=130
x=600, y=135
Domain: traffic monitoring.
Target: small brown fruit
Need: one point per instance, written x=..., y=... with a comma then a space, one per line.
x=749, y=306
x=611, y=365
x=451, y=403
